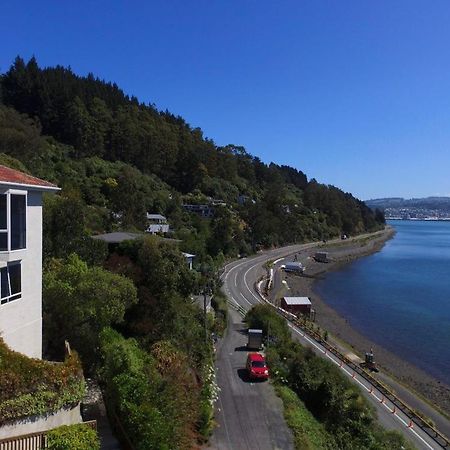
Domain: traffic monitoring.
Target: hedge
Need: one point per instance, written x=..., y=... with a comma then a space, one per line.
x=73, y=437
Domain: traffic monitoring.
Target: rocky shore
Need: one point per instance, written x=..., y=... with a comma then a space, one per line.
x=350, y=340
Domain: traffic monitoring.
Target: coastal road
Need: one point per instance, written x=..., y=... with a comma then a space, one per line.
x=249, y=416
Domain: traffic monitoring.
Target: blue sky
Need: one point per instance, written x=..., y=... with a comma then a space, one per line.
x=354, y=93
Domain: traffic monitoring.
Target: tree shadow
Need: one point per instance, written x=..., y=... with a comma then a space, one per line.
x=243, y=331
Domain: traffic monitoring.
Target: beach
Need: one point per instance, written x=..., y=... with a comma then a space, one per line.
x=347, y=338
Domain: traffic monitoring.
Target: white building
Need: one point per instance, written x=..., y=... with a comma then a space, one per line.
x=157, y=224
x=21, y=260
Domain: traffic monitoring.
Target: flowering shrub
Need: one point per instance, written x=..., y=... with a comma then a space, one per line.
x=209, y=395
x=33, y=387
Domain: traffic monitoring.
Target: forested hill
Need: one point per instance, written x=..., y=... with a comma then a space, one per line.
x=117, y=158
x=431, y=203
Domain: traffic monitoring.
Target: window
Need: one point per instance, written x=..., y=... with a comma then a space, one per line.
x=10, y=282
x=3, y=223
x=13, y=221
x=18, y=221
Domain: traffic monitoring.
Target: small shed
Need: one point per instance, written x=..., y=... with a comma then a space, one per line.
x=189, y=259
x=296, y=305
x=321, y=257
x=296, y=267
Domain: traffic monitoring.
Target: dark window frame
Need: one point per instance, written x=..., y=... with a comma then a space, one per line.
x=19, y=237
x=6, y=292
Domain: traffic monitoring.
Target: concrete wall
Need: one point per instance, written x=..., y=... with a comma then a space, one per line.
x=21, y=319
x=35, y=424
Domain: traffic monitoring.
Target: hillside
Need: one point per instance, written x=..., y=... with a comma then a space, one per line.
x=414, y=208
x=118, y=157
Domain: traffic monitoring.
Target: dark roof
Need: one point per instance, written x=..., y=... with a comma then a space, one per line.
x=12, y=176
x=118, y=237
x=155, y=217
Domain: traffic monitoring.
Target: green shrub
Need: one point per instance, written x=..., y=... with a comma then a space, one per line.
x=73, y=437
x=33, y=387
x=219, y=303
x=155, y=395
x=265, y=317
x=309, y=433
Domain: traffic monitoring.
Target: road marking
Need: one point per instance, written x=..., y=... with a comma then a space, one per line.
x=278, y=260
x=246, y=285
x=235, y=279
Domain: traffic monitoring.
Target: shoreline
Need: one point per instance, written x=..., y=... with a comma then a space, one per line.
x=344, y=336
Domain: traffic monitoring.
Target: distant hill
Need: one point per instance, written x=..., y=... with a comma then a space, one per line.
x=414, y=208
x=398, y=202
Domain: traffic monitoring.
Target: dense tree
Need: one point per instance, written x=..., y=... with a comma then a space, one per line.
x=79, y=301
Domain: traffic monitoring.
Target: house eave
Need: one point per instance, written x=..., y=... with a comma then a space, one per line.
x=30, y=187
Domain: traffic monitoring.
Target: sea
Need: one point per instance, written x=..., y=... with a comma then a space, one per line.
x=400, y=297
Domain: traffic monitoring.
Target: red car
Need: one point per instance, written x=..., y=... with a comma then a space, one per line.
x=256, y=367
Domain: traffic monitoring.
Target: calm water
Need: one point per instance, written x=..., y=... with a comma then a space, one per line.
x=400, y=297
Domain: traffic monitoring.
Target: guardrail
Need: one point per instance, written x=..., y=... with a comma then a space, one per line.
x=237, y=307
x=33, y=441
x=432, y=432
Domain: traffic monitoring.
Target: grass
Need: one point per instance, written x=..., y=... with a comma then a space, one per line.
x=308, y=433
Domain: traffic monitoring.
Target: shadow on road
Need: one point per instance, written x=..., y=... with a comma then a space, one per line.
x=242, y=348
x=243, y=331
x=243, y=375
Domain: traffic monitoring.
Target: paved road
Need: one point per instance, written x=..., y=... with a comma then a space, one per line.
x=248, y=415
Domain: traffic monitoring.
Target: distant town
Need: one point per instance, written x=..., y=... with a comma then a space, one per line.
x=430, y=208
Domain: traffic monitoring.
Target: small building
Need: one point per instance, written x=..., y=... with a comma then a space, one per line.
x=206, y=211
x=321, y=257
x=21, y=260
x=296, y=267
x=157, y=224
x=189, y=259
x=297, y=305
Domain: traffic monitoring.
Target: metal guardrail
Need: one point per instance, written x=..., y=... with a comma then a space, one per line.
x=237, y=308
x=432, y=432
x=33, y=441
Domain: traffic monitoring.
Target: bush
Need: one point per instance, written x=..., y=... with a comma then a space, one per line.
x=31, y=387
x=219, y=303
x=264, y=317
x=73, y=437
x=309, y=434
x=155, y=395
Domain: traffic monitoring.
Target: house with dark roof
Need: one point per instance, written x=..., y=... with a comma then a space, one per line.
x=21, y=260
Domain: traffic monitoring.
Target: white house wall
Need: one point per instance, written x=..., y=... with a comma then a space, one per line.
x=21, y=320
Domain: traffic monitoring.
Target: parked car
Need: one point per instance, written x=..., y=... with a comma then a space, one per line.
x=256, y=367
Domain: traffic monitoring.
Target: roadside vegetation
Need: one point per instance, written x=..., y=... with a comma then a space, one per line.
x=80, y=437
x=337, y=415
